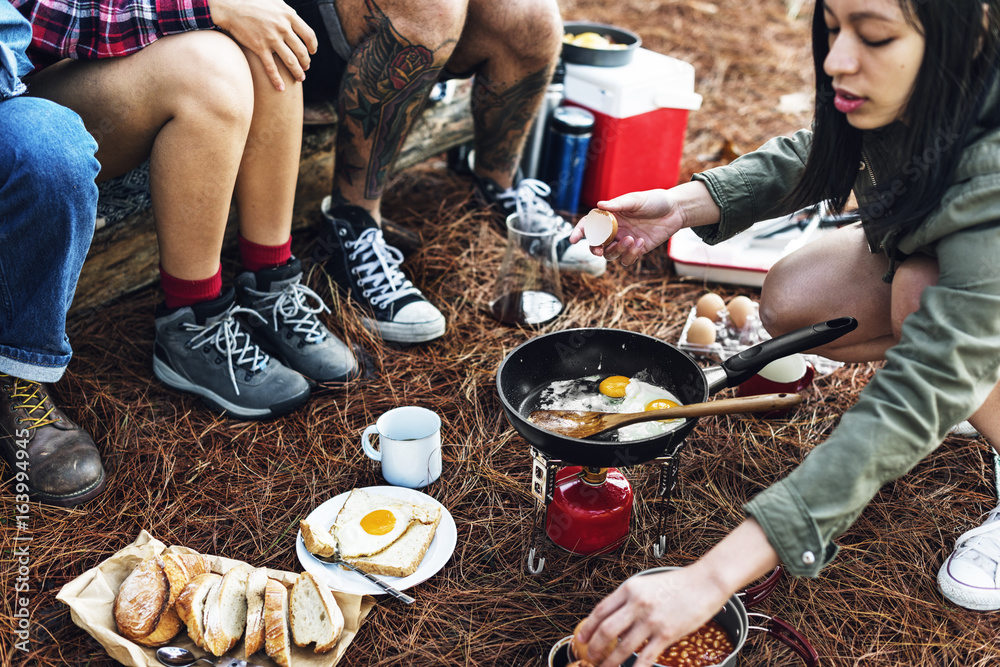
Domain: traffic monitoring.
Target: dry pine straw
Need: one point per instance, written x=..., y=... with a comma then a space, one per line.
x=239, y=489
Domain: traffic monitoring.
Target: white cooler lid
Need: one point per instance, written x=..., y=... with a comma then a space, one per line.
x=651, y=81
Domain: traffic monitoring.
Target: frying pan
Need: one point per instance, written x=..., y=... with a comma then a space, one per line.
x=578, y=353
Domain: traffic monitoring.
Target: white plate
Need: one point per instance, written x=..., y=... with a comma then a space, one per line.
x=339, y=579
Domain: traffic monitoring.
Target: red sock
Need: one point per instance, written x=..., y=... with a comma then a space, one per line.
x=180, y=293
x=256, y=256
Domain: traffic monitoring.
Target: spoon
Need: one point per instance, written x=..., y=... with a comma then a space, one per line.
x=175, y=656
x=336, y=559
x=583, y=424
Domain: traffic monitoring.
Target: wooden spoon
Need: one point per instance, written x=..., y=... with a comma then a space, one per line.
x=583, y=424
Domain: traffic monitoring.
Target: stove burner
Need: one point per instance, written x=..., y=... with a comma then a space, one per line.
x=545, y=473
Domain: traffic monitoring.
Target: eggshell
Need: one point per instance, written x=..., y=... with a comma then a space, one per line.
x=599, y=227
x=740, y=309
x=701, y=331
x=709, y=306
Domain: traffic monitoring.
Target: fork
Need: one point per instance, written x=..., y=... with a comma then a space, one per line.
x=337, y=559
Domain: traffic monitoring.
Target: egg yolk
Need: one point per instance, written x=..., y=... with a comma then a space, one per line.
x=378, y=522
x=661, y=404
x=614, y=386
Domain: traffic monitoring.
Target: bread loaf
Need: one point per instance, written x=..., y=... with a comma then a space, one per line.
x=141, y=599
x=277, y=642
x=256, y=585
x=226, y=614
x=314, y=614
x=190, y=605
x=179, y=569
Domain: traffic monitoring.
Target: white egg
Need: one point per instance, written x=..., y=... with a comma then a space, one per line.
x=371, y=533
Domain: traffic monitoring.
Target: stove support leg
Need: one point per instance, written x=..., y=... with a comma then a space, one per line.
x=536, y=555
x=668, y=480
x=543, y=482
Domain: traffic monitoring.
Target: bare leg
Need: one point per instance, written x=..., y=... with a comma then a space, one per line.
x=185, y=102
x=401, y=47
x=265, y=186
x=512, y=47
x=797, y=292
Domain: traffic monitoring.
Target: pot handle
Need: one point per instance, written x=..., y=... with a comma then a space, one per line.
x=761, y=591
x=744, y=365
x=790, y=637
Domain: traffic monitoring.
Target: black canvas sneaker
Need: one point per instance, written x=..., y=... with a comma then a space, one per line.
x=205, y=350
x=366, y=268
x=289, y=327
x=528, y=200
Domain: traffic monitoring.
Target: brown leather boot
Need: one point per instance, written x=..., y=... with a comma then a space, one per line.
x=55, y=459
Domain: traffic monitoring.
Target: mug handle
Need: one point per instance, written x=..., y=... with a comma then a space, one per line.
x=366, y=445
x=806, y=378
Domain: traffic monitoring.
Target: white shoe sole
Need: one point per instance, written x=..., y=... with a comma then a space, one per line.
x=171, y=378
x=419, y=332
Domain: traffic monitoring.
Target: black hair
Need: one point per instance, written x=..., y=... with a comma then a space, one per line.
x=959, y=67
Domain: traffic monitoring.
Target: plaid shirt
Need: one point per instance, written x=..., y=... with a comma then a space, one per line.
x=88, y=29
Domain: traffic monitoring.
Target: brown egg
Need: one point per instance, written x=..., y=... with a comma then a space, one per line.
x=740, y=309
x=599, y=227
x=709, y=306
x=701, y=331
x=577, y=648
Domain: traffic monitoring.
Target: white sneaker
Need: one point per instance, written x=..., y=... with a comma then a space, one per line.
x=970, y=577
x=964, y=428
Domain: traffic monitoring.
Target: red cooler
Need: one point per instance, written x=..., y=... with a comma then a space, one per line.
x=641, y=111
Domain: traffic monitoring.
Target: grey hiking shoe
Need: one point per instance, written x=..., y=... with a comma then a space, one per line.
x=364, y=266
x=290, y=329
x=204, y=350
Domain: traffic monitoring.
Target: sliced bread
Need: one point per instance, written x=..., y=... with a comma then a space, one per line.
x=314, y=614
x=402, y=557
x=277, y=639
x=226, y=615
x=316, y=540
x=190, y=605
x=141, y=599
x=256, y=585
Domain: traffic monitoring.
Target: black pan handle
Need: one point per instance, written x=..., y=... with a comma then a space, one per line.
x=742, y=366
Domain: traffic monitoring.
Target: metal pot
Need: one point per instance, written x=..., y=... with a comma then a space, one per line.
x=579, y=55
x=733, y=618
x=578, y=353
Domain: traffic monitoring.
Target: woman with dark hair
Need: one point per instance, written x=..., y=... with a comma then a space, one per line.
x=908, y=120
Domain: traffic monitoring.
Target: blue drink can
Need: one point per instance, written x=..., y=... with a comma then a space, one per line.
x=566, y=155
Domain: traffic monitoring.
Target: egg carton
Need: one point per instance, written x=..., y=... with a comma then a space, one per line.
x=730, y=340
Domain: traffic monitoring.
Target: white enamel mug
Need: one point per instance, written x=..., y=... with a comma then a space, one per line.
x=409, y=446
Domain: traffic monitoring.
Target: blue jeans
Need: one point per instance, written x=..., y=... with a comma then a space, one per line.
x=48, y=208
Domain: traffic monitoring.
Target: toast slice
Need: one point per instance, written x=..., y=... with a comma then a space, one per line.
x=314, y=614
x=277, y=639
x=190, y=605
x=402, y=557
x=226, y=615
x=256, y=585
x=316, y=540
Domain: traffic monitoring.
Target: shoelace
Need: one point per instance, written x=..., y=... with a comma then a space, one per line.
x=230, y=340
x=984, y=539
x=381, y=280
x=33, y=399
x=532, y=208
x=292, y=305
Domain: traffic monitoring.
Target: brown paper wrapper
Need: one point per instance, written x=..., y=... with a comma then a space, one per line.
x=91, y=597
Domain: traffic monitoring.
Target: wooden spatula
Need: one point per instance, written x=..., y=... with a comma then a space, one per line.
x=584, y=424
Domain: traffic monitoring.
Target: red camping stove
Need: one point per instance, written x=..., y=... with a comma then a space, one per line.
x=588, y=510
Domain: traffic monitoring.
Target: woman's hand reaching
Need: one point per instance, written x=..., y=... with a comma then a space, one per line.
x=647, y=219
